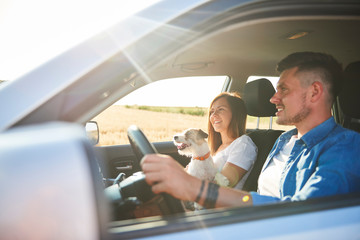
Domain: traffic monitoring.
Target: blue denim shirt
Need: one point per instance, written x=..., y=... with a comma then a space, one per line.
x=323, y=162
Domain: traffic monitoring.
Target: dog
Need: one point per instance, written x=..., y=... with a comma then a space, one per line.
x=192, y=143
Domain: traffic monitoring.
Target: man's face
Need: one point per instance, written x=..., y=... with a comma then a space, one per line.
x=290, y=99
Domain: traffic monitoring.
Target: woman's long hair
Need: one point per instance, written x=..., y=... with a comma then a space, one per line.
x=237, y=124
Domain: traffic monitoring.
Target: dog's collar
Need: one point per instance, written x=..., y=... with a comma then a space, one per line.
x=203, y=157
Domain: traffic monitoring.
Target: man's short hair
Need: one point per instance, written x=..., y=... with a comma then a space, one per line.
x=329, y=69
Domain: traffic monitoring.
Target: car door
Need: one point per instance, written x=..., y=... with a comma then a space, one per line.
x=118, y=159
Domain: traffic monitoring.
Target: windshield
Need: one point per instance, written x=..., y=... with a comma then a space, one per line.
x=33, y=32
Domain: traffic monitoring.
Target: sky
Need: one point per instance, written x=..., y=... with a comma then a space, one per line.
x=33, y=31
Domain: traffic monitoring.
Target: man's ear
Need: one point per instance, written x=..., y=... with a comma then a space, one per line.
x=317, y=91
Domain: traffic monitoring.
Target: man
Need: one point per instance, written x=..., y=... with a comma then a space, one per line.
x=318, y=158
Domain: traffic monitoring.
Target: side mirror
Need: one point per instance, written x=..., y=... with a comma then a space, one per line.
x=92, y=132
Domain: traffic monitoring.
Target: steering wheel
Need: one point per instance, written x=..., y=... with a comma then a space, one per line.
x=139, y=143
x=142, y=146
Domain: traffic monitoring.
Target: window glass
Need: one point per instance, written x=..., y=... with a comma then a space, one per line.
x=161, y=109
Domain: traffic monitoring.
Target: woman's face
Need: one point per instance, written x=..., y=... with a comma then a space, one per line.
x=220, y=115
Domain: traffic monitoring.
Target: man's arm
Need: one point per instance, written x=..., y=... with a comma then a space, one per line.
x=164, y=174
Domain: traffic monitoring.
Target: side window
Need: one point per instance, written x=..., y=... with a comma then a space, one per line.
x=265, y=121
x=161, y=109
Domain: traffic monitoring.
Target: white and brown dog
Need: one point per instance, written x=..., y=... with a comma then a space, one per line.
x=192, y=143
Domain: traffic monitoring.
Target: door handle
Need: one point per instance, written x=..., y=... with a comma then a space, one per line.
x=124, y=168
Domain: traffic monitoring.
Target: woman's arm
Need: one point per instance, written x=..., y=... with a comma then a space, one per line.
x=233, y=173
x=240, y=159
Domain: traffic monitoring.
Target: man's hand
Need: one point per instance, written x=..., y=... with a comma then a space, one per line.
x=166, y=175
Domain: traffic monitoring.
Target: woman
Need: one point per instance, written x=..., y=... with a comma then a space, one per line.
x=234, y=153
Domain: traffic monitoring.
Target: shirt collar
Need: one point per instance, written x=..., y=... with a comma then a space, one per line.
x=315, y=135
x=287, y=135
x=319, y=132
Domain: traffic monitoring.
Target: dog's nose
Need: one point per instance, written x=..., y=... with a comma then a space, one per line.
x=176, y=137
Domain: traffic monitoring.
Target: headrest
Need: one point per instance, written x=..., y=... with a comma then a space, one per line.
x=257, y=96
x=349, y=97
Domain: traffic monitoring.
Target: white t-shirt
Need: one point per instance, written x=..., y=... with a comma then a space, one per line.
x=242, y=152
x=269, y=179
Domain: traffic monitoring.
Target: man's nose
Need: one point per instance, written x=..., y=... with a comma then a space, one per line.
x=274, y=99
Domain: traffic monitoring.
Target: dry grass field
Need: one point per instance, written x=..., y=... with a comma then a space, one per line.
x=157, y=126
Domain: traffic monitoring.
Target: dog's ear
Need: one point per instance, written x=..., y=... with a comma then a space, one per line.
x=203, y=134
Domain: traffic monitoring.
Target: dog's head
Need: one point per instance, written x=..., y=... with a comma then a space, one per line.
x=191, y=141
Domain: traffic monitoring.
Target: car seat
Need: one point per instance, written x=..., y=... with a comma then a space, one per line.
x=257, y=96
x=349, y=97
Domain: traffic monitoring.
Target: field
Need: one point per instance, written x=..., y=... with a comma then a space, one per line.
x=157, y=125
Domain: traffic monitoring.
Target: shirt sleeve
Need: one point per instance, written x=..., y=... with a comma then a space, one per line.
x=258, y=199
x=243, y=153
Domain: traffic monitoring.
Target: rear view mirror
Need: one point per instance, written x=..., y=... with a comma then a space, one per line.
x=92, y=132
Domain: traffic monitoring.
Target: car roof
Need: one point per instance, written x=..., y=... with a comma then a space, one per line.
x=173, y=39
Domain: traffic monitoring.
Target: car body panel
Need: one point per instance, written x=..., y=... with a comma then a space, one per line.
x=50, y=184
x=332, y=224
x=314, y=219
